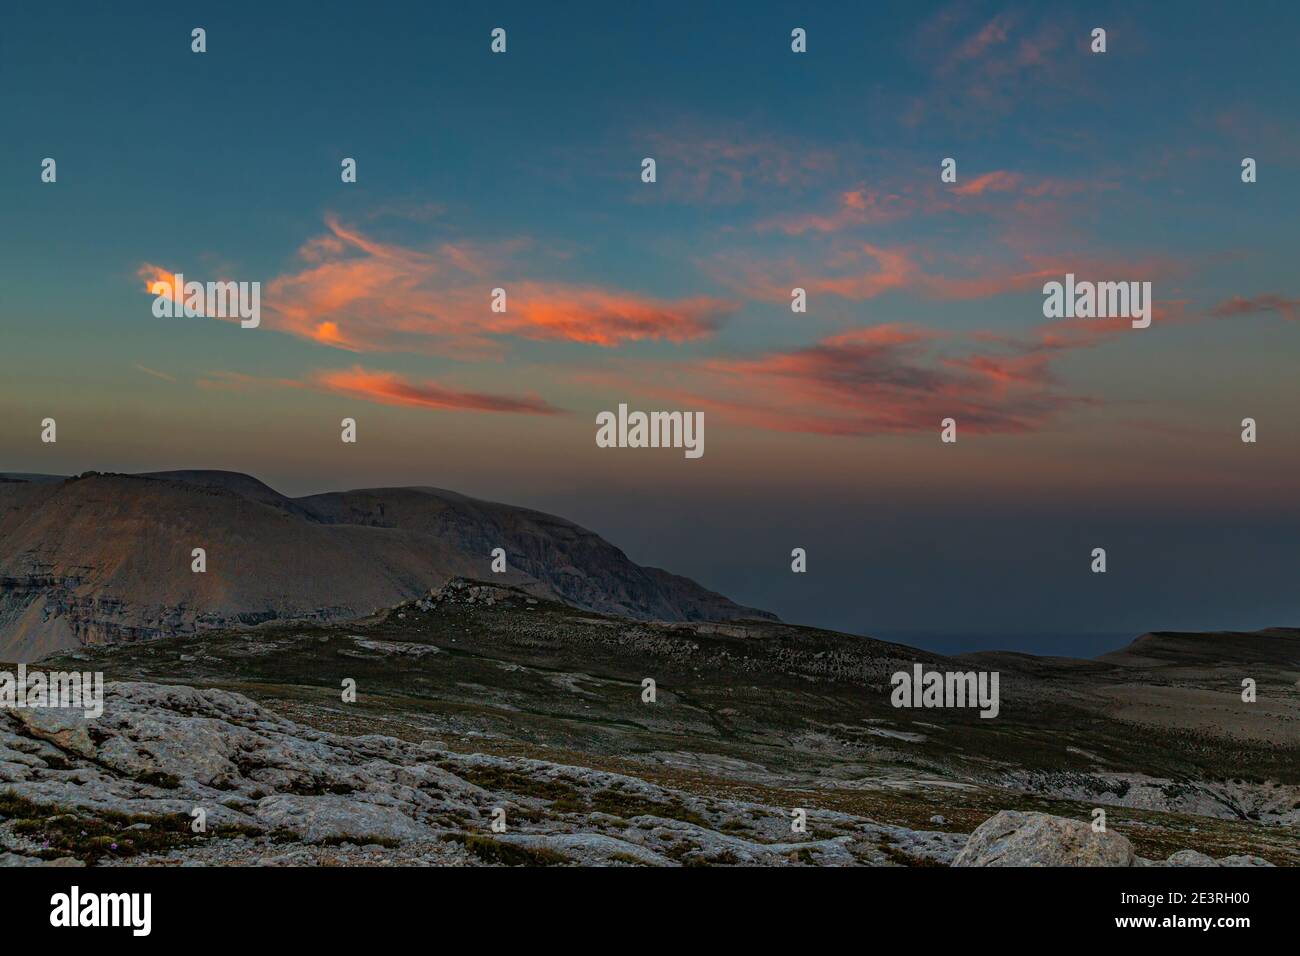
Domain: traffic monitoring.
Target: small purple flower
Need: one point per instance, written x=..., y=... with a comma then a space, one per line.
x=113, y=847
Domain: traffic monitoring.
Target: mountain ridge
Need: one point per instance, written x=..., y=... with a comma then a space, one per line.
x=106, y=557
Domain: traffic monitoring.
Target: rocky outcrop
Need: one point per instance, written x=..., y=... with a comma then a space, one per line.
x=324, y=818
x=1015, y=838
x=125, y=787
x=1267, y=802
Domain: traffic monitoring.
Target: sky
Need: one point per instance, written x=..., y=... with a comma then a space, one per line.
x=773, y=170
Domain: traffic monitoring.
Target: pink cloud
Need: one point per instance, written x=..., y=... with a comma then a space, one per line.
x=360, y=294
x=983, y=69
x=853, y=208
x=1000, y=181
x=386, y=388
x=863, y=271
x=876, y=380
x=1268, y=302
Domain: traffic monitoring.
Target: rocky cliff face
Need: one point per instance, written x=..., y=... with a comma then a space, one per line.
x=106, y=558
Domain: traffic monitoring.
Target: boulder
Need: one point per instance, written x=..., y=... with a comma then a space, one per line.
x=1190, y=858
x=1013, y=838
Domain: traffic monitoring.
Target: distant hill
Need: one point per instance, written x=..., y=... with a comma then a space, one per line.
x=1275, y=645
x=107, y=557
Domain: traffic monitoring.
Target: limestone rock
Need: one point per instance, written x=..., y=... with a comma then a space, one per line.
x=1013, y=838
x=318, y=819
x=1190, y=858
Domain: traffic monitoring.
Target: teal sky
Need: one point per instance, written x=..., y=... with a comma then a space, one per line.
x=774, y=170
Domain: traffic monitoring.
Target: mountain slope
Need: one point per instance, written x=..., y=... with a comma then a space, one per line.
x=104, y=558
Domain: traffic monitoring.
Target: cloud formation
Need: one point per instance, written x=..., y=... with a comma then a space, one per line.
x=386, y=388
x=876, y=380
x=1254, y=305
x=360, y=294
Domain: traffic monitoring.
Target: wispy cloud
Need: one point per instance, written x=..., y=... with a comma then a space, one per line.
x=895, y=378
x=155, y=373
x=910, y=194
x=862, y=271
x=712, y=164
x=852, y=209
x=876, y=380
x=386, y=388
x=982, y=68
x=1254, y=305
x=999, y=181
x=361, y=294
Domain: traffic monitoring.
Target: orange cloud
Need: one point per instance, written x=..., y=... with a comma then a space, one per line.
x=362, y=295
x=388, y=388
x=853, y=208
x=154, y=276
x=998, y=181
x=600, y=317
x=894, y=269
x=159, y=281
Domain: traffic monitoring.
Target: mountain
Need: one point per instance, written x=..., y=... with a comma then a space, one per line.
x=107, y=557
